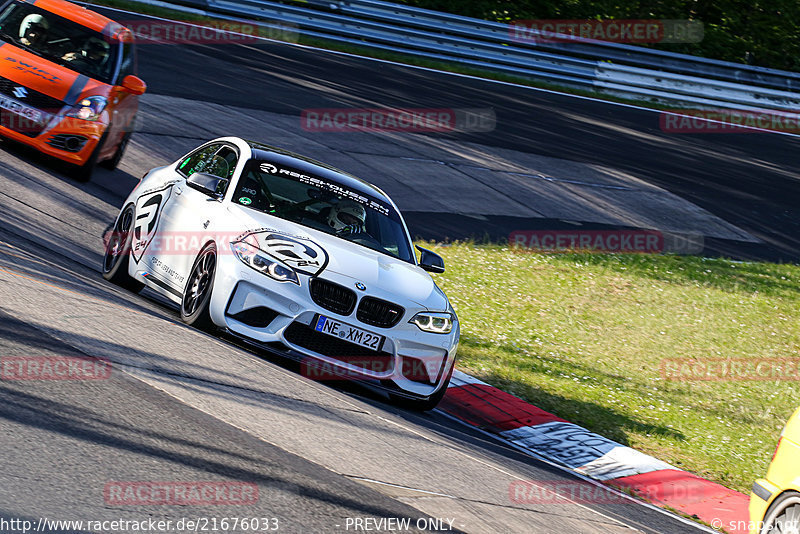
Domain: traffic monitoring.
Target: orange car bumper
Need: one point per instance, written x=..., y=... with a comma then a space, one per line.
x=65, y=140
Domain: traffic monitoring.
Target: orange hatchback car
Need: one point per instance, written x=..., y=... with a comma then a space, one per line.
x=68, y=84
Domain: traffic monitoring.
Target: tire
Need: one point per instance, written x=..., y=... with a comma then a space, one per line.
x=83, y=173
x=197, y=293
x=424, y=404
x=112, y=163
x=782, y=514
x=118, y=252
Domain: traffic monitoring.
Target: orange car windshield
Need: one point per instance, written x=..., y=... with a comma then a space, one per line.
x=60, y=40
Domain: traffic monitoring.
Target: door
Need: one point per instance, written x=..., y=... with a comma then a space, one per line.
x=188, y=216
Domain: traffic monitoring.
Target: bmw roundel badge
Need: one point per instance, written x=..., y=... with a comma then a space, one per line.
x=360, y=286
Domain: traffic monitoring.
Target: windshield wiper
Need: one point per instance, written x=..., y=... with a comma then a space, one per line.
x=29, y=49
x=6, y=37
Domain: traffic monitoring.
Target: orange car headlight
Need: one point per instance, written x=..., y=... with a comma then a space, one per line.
x=89, y=108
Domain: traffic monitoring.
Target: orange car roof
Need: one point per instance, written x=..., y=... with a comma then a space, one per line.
x=84, y=17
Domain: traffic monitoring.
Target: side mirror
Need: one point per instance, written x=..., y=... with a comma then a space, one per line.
x=430, y=261
x=208, y=184
x=134, y=85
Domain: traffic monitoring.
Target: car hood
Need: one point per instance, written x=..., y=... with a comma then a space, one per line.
x=792, y=429
x=379, y=272
x=39, y=74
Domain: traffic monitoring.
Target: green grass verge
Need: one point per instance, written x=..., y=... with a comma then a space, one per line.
x=584, y=335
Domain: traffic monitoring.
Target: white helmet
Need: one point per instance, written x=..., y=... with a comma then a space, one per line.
x=33, y=28
x=347, y=214
x=96, y=49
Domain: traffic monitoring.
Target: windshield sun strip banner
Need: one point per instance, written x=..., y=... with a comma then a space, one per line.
x=327, y=185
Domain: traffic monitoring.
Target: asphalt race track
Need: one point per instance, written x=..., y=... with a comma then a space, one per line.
x=750, y=180
x=184, y=406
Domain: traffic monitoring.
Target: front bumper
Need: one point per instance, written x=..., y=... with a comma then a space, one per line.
x=764, y=492
x=279, y=316
x=65, y=127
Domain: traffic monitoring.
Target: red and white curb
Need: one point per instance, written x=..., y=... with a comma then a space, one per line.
x=544, y=435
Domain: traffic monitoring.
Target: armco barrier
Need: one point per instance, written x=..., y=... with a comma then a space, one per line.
x=620, y=69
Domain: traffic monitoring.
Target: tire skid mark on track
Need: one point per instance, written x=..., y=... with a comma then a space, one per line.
x=90, y=283
x=161, y=371
x=66, y=290
x=124, y=294
x=46, y=214
x=64, y=191
x=54, y=285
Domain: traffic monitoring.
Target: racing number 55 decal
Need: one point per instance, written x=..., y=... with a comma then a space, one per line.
x=148, y=212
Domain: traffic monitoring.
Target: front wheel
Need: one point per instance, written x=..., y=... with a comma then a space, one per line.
x=113, y=162
x=118, y=252
x=783, y=515
x=197, y=293
x=83, y=173
x=425, y=404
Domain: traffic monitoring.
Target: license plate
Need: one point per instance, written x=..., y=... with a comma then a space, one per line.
x=343, y=331
x=32, y=114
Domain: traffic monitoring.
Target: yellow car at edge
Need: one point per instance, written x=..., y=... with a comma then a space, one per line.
x=775, y=500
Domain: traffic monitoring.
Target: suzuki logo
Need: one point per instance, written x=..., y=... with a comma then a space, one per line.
x=20, y=92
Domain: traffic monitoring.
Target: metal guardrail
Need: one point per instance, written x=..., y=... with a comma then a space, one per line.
x=609, y=67
x=599, y=50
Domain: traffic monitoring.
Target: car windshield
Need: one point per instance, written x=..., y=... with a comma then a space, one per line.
x=324, y=205
x=59, y=40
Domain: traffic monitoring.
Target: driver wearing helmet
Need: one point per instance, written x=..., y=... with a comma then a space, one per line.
x=347, y=217
x=95, y=53
x=33, y=30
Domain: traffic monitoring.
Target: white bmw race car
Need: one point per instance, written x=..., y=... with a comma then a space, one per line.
x=294, y=256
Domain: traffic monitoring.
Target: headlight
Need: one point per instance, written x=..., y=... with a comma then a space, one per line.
x=438, y=323
x=88, y=109
x=255, y=258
